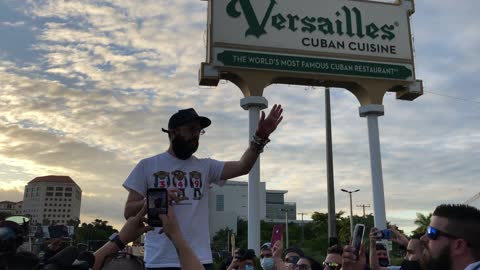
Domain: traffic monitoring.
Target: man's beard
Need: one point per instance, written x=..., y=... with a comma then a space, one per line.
x=443, y=260
x=184, y=149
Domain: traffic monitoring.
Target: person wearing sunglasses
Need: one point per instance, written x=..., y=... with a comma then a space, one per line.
x=333, y=261
x=453, y=238
x=292, y=255
x=184, y=131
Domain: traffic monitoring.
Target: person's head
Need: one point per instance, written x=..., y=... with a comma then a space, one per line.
x=11, y=237
x=307, y=263
x=292, y=255
x=184, y=130
x=382, y=255
x=453, y=237
x=333, y=261
x=414, y=250
x=246, y=259
x=124, y=261
x=266, y=260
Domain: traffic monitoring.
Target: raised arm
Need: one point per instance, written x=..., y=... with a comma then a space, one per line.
x=374, y=265
x=133, y=228
x=188, y=259
x=266, y=126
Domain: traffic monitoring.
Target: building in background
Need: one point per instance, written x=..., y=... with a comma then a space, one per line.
x=229, y=203
x=12, y=208
x=52, y=200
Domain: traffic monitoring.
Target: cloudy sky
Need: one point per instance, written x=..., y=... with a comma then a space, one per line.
x=86, y=86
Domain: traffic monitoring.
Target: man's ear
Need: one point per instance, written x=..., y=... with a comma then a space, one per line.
x=459, y=247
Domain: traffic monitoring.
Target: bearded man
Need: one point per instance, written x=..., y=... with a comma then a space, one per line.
x=184, y=130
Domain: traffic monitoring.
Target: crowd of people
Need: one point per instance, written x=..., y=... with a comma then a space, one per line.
x=452, y=241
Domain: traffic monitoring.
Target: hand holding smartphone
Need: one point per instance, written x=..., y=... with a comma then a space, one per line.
x=358, y=238
x=157, y=203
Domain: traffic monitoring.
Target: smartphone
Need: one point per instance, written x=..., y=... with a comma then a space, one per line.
x=384, y=234
x=157, y=202
x=358, y=237
x=277, y=233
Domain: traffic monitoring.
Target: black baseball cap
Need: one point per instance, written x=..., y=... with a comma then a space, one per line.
x=186, y=116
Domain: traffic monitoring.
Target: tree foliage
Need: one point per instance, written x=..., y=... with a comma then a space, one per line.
x=422, y=221
x=96, y=230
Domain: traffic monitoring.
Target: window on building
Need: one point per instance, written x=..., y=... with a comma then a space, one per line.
x=58, y=188
x=68, y=210
x=49, y=194
x=49, y=188
x=68, y=189
x=220, y=202
x=58, y=194
x=68, y=194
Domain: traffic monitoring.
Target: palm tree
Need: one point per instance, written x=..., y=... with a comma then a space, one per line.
x=422, y=222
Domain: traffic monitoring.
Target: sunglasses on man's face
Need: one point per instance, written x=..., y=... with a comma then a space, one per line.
x=332, y=265
x=268, y=255
x=434, y=233
x=292, y=259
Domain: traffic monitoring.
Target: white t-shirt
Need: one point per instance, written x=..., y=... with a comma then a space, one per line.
x=192, y=213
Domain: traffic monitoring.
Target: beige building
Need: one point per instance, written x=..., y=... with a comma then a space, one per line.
x=52, y=200
x=12, y=208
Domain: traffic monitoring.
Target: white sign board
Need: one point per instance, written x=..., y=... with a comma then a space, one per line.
x=366, y=38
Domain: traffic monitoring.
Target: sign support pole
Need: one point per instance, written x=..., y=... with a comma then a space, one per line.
x=371, y=112
x=254, y=104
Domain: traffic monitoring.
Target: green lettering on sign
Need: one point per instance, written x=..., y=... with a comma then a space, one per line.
x=313, y=65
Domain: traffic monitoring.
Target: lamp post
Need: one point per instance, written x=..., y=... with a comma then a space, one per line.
x=303, y=231
x=351, y=209
x=286, y=224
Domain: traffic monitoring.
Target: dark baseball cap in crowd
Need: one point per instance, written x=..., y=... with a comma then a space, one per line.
x=186, y=116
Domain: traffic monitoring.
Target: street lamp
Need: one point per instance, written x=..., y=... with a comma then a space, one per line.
x=286, y=224
x=351, y=209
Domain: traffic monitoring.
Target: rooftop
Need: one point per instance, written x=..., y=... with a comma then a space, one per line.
x=59, y=179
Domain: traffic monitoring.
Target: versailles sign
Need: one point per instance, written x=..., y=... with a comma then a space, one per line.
x=347, y=38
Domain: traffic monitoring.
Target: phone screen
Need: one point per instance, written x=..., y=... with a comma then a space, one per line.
x=358, y=237
x=157, y=201
x=277, y=233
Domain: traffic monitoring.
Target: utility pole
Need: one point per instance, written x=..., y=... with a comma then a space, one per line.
x=363, y=206
x=286, y=225
x=302, y=226
x=351, y=209
x=332, y=225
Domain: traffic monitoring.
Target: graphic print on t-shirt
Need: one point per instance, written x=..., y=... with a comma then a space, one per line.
x=180, y=182
x=162, y=179
x=196, y=184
